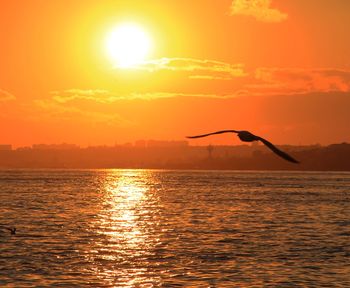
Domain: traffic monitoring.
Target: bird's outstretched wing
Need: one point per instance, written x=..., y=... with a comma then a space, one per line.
x=279, y=152
x=217, y=132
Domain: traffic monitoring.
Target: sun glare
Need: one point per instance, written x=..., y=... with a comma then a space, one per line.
x=128, y=45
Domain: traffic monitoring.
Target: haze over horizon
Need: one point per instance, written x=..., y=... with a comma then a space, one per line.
x=280, y=69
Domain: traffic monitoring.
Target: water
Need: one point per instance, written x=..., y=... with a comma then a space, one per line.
x=149, y=228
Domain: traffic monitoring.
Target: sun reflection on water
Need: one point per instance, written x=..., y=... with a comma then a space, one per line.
x=127, y=224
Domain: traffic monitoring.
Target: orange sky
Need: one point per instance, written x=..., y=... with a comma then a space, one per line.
x=277, y=68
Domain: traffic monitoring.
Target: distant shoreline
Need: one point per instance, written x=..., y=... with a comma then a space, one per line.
x=335, y=157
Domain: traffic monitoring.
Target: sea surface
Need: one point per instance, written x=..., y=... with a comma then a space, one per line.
x=158, y=228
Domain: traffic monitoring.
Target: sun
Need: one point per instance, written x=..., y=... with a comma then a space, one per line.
x=128, y=45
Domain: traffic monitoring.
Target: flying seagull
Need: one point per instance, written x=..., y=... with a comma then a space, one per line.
x=12, y=230
x=246, y=136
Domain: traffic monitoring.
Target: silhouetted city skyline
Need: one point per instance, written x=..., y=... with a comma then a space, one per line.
x=155, y=154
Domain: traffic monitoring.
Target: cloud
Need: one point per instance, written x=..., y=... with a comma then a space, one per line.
x=106, y=97
x=259, y=9
x=290, y=81
x=6, y=96
x=100, y=96
x=56, y=111
x=97, y=95
x=258, y=82
x=208, y=77
x=196, y=68
x=160, y=95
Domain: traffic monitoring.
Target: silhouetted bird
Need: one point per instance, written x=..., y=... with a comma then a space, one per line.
x=12, y=230
x=246, y=136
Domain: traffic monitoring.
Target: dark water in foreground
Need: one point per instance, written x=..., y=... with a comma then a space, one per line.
x=147, y=228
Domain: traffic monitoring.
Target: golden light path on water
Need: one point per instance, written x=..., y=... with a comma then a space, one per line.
x=127, y=221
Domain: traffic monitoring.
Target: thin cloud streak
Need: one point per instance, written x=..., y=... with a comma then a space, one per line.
x=6, y=96
x=55, y=111
x=159, y=95
x=210, y=68
x=108, y=97
x=208, y=77
x=97, y=95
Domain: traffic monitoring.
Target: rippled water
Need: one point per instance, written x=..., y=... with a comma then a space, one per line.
x=149, y=228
